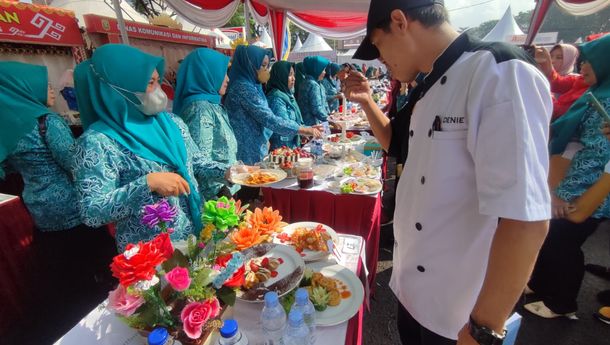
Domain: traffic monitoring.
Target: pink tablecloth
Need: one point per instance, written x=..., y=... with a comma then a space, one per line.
x=16, y=259
x=349, y=214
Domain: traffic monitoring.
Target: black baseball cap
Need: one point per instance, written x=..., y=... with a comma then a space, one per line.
x=380, y=11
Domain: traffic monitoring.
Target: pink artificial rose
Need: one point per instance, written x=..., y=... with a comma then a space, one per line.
x=121, y=302
x=195, y=315
x=178, y=278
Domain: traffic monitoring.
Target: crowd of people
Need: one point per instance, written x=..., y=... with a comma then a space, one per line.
x=478, y=145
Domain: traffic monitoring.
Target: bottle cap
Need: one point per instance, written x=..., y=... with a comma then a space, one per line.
x=158, y=336
x=271, y=299
x=302, y=296
x=229, y=329
x=295, y=318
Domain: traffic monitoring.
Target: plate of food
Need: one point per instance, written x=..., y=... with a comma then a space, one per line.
x=362, y=186
x=314, y=241
x=270, y=267
x=335, y=291
x=362, y=170
x=259, y=178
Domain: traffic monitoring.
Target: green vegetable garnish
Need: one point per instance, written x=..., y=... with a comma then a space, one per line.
x=319, y=298
x=307, y=275
x=347, y=188
x=348, y=171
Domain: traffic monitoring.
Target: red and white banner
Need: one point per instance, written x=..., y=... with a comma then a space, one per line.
x=26, y=23
x=109, y=26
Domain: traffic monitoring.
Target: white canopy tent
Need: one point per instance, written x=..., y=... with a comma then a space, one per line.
x=507, y=27
x=314, y=45
x=297, y=46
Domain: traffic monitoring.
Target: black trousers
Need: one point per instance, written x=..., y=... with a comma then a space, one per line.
x=412, y=333
x=560, y=267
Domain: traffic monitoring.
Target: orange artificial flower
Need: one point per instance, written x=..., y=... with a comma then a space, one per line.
x=245, y=237
x=267, y=221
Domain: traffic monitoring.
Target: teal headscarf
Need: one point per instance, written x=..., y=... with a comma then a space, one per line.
x=315, y=65
x=596, y=53
x=332, y=69
x=106, y=110
x=23, y=99
x=299, y=76
x=278, y=85
x=246, y=63
x=200, y=77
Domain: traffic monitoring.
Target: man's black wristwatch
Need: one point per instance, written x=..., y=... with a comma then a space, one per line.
x=484, y=335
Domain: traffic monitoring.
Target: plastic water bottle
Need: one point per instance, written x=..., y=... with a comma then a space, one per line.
x=304, y=305
x=297, y=332
x=231, y=335
x=273, y=319
x=160, y=336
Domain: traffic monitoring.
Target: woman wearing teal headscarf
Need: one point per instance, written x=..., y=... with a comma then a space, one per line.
x=201, y=82
x=312, y=95
x=560, y=267
x=38, y=144
x=281, y=100
x=133, y=153
x=331, y=86
x=299, y=77
x=248, y=109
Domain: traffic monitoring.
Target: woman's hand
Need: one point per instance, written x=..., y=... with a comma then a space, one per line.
x=561, y=208
x=310, y=132
x=167, y=184
x=606, y=130
x=543, y=58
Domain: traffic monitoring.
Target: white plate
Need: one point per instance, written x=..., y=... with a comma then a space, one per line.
x=324, y=170
x=349, y=307
x=309, y=255
x=241, y=178
x=363, y=166
x=335, y=186
x=377, y=189
x=292, y=262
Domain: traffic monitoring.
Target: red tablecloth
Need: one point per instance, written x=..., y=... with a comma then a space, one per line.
x=16, y=259
x=350, y=214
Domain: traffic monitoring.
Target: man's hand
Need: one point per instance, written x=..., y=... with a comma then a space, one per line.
x=543, y=58
x=464, y=337
x=357, y=89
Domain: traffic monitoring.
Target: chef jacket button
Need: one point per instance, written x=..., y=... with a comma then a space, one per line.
x=443, y=80
x=430, y=133
x=395, y=244
x=411, y=133
x=423, y=179
x=418, y=226
x=421, y=269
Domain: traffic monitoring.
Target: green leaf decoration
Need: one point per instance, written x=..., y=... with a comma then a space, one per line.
x=226, y=295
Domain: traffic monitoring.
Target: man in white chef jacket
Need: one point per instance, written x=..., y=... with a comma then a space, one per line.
x=472, y=203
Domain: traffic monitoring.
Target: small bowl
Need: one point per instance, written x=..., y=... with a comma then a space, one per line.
x=318, y=180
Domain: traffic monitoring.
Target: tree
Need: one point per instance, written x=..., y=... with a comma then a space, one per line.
x=149, y=8
x=483, y=29
x=239, y=19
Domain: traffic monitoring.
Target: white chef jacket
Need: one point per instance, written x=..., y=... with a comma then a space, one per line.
x=489, y=160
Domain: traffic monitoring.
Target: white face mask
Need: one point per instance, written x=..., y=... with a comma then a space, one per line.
x=152, y=103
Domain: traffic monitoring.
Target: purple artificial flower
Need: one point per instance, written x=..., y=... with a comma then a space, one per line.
x=159, y=212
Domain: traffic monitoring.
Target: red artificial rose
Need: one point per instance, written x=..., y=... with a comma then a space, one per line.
x=238, y=278
x=163, y=244
x=137, y=263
